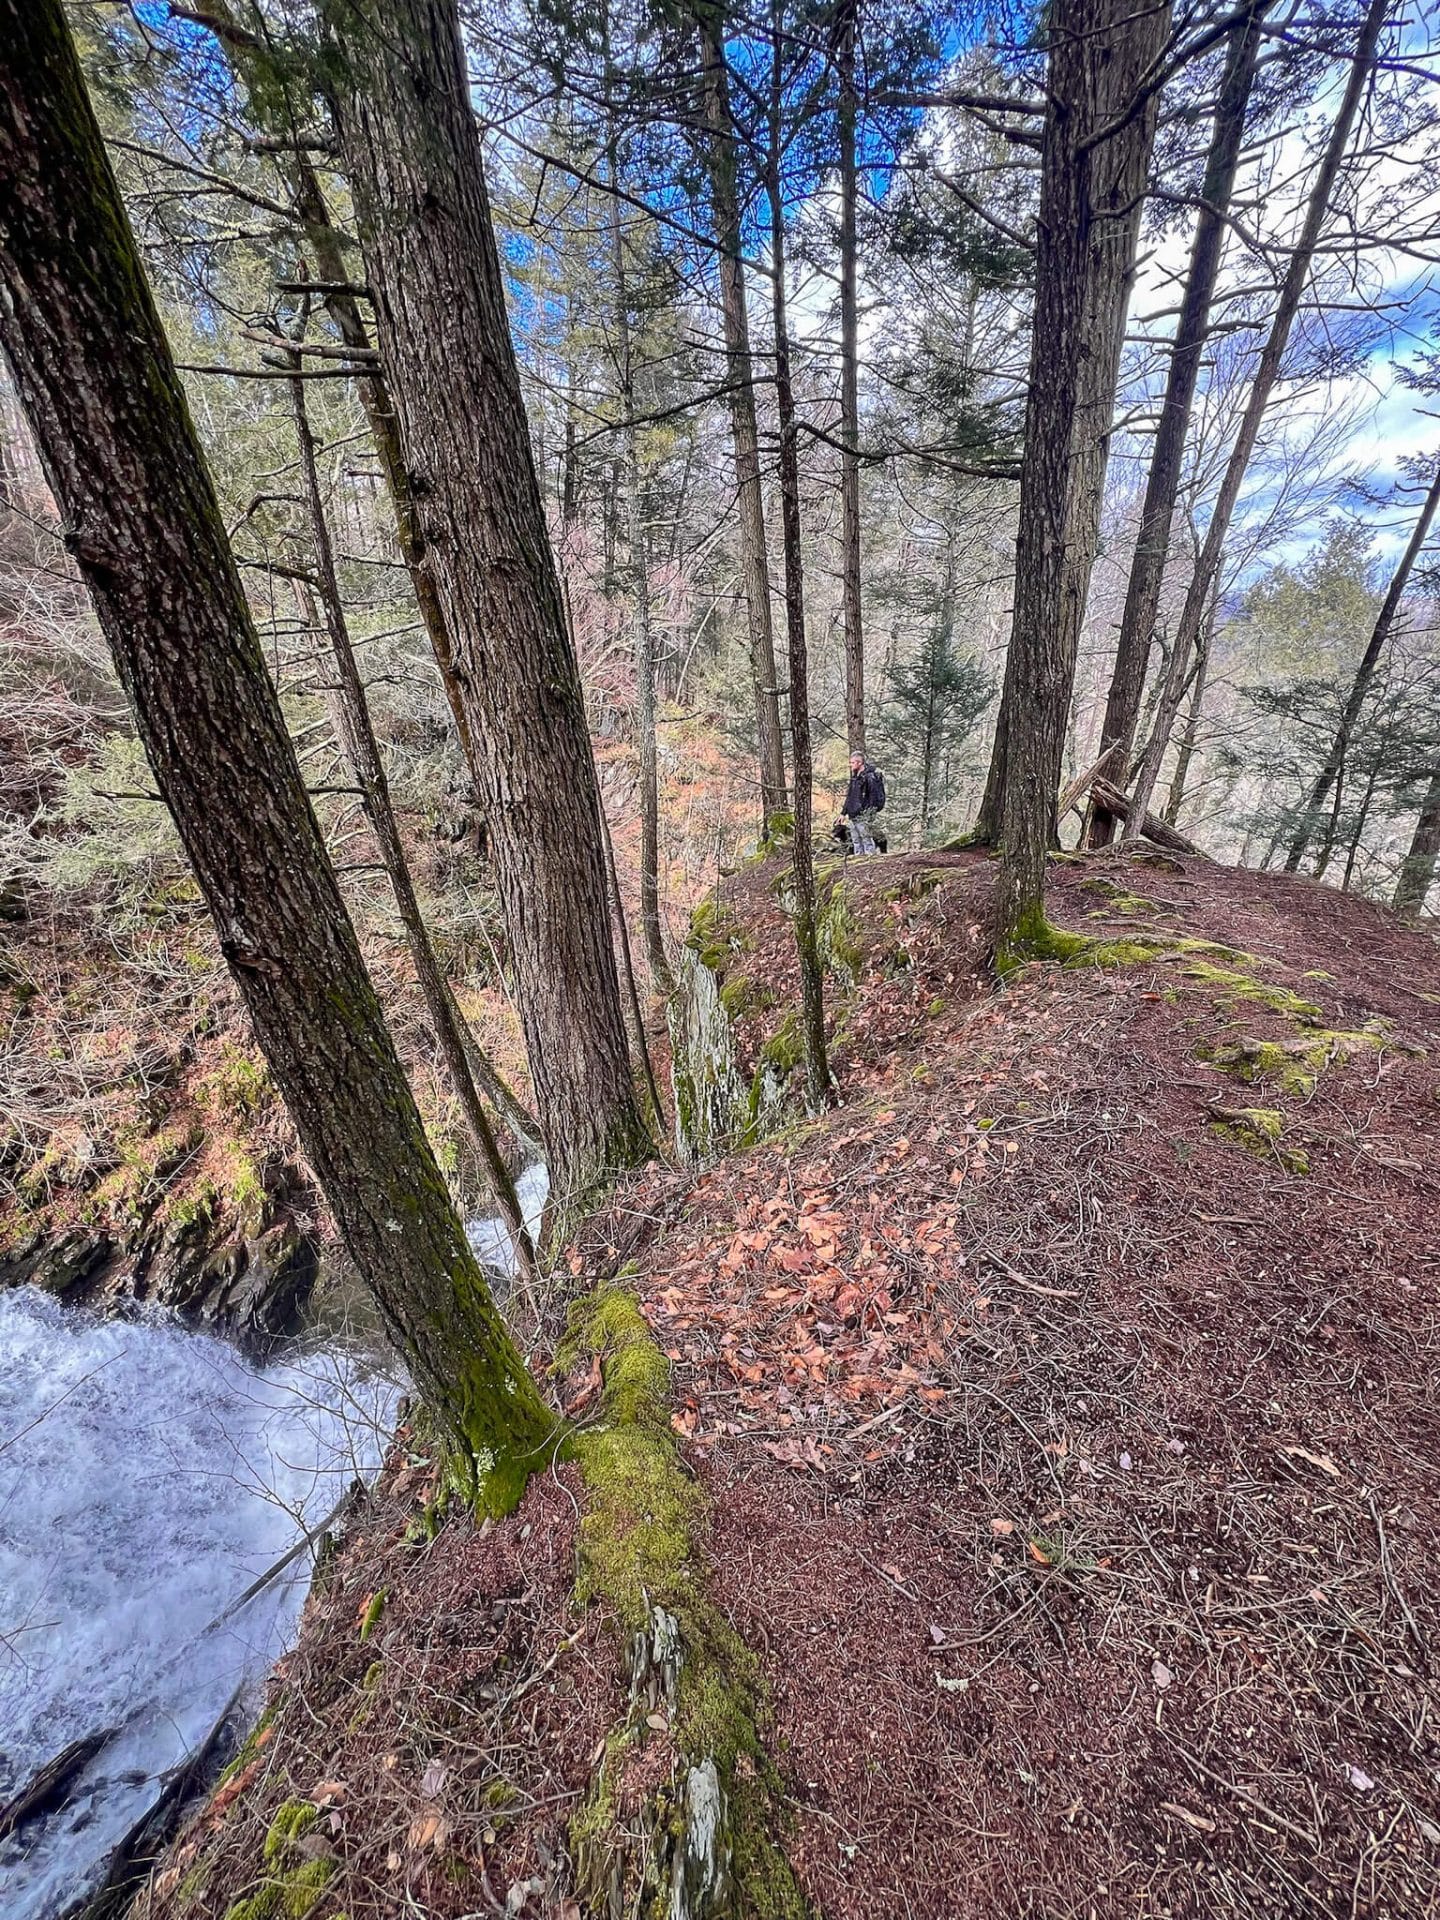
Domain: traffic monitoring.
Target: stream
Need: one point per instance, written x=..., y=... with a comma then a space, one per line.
x=148, y=1476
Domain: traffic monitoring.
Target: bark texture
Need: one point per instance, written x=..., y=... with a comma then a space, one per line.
x=812, y=995
x=1098, y=134
x=362, y=753
x=412, y=153
x=1267, y=373
x=850, y=387
x=97, y=381
x=1162, y=487
x=739, y=373
x=639, y=542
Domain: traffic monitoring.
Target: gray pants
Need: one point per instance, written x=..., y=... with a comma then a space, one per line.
x=862, y=831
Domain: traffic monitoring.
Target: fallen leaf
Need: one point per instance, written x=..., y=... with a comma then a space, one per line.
x=427, y=1829
x=330, y=1793
x=1320, y=1460
x=1161, y=1675
x=226, y=1796
x=432, y=1781
x=1359, y=1779
x=1000, y=1528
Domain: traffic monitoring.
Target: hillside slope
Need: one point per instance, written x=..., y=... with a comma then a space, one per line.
x=1062, y=1407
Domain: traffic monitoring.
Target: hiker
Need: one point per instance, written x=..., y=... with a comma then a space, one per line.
x=864, y=799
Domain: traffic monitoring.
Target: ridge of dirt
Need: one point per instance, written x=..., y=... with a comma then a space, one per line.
x=1074, y=1466
x=1071, y=1457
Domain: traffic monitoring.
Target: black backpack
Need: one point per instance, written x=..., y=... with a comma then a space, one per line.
x=877, y=787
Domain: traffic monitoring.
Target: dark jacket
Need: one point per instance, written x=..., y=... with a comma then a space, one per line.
x=863, y=793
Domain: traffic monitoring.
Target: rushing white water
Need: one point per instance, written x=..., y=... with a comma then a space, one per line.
x=490, y=1238
x=147, y=1476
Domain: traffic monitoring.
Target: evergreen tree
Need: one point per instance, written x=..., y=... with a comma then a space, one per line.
x=932, y=705
x=1099, y=129
x=402, y=107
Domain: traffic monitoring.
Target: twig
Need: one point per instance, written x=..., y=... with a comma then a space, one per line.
x=1388, y=1571
x=1311, y=1840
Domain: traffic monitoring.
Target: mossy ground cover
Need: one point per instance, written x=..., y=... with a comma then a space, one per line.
x=642, y=1558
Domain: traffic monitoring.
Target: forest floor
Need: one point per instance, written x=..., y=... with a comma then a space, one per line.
x=1063, y=1404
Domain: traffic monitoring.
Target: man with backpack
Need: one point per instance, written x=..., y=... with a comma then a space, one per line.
x=864, y=799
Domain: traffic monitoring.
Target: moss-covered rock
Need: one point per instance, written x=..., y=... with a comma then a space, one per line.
x=712, y=1094
x=1297, y=1065
x=1259, y=1130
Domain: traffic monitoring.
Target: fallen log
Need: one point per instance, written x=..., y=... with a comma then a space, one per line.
x=1156, y=830
x=1072, y=795
x=46, y=1790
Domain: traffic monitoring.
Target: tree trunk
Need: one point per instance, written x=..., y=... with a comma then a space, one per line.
x=273, y=112
x=817, y=1066
x=927, y=765
x=850, y=387
x=9, y=484
x=1207, y=567
x=1364, y=675
x=640, y=1045
x=362, y=754
x=1332, y=825
x=1098, y=134
x=413, y=156
x=1417, y=875
x=640, y=575
x=1147, y=571
x=96, y=378
x=1176, y=796
x=1361, y=816
x=739, y=374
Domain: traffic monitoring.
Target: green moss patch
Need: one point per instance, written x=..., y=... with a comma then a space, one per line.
x=1119, y=900
x=1236, y=989
x=715, y=936
x=1296, y=1065
x=1228, y=972
x=741, y=995
x=293, y=1820
x=1259, y=1130
x=637, y=1536
x=373, y=1614
x=837, y=938
x=640, y=1556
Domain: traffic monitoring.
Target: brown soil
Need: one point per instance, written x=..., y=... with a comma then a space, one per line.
x=443, y=1748
x=1073, y=1464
